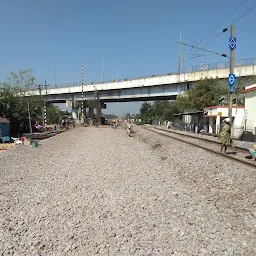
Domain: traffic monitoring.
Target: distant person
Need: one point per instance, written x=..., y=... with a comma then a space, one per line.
x=21, y=129
x=225, y=134
x=194, y=127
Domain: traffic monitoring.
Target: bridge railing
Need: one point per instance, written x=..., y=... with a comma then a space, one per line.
x=219, y=65
x=204, y=67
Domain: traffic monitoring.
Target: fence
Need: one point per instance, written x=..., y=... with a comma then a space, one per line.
x=248, y=134
x=240, y=133
x=192, y=127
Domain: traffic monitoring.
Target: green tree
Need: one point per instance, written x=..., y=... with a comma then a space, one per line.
x=146, y=112
x=8, y=100
x=110, y=116
x=183, y=102
x=54, y=114
x=161, y=109
x=94, y=102
x=158, y=109
x=206, y=93
x=22, y=79
x=15, y=102
x=170, y=110
x=241, y=83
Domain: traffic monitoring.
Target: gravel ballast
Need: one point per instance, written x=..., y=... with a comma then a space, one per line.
x=96, y=191
x=235, y=142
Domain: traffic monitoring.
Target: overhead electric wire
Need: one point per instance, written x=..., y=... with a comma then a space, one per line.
x=228, y=16
x=192, y=46
x=208, y=37
x=200, y=55
x=244, y=14
x=217, y=35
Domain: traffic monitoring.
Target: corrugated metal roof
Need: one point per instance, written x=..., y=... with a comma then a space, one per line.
x=190, y=113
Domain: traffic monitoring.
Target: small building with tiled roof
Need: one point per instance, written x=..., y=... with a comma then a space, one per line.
x=216, y=114
x=250, y=107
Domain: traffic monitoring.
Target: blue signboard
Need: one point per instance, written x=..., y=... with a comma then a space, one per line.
x=231, y=82
x=232, y=43
x=231, y=79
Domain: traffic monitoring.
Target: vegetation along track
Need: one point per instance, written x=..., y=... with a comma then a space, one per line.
x=233, y=153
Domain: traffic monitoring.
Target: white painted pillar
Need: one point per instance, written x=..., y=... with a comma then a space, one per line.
x=217, y=124
x=74, y=113
x=211, y=124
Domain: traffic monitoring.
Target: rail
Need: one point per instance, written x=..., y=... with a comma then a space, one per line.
x=210, y=146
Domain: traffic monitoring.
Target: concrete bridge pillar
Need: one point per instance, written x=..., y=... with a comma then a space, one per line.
x=211, y=124
x=74, y=111
x=179, y=89
x=218, y=124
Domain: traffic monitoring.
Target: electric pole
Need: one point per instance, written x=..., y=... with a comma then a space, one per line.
x=42, y=106
x=117, y=77
x=180, y=57
x=29, y=118
x=55, y=76
x=82, y=116
x=45, y=105
x=232, y=46
x=103, y=69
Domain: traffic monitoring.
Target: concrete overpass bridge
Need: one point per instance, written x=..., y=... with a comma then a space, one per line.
x=164, y=86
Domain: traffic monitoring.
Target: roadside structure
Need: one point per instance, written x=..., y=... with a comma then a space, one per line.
x=250, y=108
x=216, y=114
x=4, y=127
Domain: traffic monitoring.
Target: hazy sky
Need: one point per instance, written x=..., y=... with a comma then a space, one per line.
x=139, y=36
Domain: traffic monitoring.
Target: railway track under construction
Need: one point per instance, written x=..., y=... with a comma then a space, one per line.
x=233, y=153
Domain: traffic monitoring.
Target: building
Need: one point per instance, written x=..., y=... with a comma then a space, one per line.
x=4, y=127
x=250, y=107
x=216, y=114
x=190, y=121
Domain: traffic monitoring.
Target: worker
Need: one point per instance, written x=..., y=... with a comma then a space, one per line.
x=128, y=128
x=225, y=134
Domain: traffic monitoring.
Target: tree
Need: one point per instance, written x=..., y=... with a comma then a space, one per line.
x=206, y=93
x=161, y=109
x=170, y=110
x=110, y=116
x=94, y=102
x=158, y=109
x=15, y=101
x=22, y=79
x=54, y=114
x=8, y=100
x=241, y=83
x=146, y=112
x=183, y=102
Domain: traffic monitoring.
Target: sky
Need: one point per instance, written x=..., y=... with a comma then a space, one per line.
x=138, y=36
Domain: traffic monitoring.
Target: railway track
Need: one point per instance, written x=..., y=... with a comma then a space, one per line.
x=234, y=153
